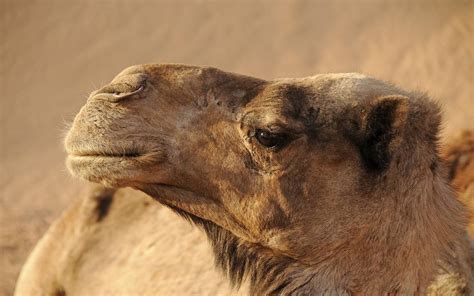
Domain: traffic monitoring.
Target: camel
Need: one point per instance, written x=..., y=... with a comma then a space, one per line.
x=325, y=185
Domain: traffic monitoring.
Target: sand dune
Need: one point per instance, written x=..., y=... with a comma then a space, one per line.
x=53, y=53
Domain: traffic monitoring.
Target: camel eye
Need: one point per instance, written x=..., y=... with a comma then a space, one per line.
x=270, y=140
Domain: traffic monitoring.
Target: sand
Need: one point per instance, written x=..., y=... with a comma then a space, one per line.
x=53, y=53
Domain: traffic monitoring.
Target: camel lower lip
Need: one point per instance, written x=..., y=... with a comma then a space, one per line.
x=123, y=159
x=98, y=162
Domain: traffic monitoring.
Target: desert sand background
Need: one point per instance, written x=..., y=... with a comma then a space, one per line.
x=54, y=53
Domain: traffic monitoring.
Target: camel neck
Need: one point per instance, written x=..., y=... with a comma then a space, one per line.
x=400, y=255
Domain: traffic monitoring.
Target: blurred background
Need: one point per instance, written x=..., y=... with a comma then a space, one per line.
x=55, y=52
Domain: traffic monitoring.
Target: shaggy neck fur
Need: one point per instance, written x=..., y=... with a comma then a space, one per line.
x=268, y=274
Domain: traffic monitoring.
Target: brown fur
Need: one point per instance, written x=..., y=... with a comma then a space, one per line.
x=459, y=157
x=357, y=189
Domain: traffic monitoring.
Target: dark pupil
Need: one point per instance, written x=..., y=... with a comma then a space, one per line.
x=268, y=139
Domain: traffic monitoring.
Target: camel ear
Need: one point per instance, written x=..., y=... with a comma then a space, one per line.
x=382, y=125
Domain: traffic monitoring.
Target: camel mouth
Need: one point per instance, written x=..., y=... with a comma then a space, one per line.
x=94, y=154
x=102, y=153
x=86, y=149
x=124, y=157
x=112, y=168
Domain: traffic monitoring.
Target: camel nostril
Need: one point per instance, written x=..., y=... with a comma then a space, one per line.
x=122, y=87
x=118, y=92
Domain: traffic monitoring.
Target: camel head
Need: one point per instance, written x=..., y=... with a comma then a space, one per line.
x=320, y=170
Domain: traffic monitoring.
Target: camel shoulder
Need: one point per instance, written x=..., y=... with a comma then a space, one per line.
x=67, y=239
